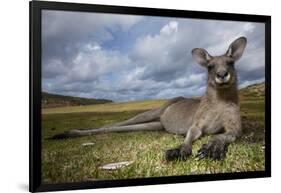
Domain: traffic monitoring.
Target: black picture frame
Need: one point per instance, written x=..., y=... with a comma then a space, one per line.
x=35, y=182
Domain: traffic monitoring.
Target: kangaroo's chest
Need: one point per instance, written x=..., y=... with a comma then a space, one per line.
x=213, y=117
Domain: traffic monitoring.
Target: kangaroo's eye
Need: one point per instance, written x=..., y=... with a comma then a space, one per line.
x=210, y=67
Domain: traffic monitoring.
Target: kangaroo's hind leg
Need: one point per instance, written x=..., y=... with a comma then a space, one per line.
x=149, y=120
x=151, y=126
x=148, y=116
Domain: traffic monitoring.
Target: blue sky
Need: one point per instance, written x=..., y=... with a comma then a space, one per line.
x=124, y=57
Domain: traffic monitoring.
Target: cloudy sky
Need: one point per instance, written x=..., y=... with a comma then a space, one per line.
x=124, y=58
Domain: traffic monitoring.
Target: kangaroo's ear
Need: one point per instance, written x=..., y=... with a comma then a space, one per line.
x=201, y=56
x=236, y=48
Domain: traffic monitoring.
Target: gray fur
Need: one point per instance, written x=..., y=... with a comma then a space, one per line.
x=216, y=113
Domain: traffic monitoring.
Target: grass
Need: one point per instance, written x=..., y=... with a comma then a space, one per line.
x=69, y=161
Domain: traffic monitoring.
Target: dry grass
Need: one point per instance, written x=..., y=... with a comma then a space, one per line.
x=108, y=107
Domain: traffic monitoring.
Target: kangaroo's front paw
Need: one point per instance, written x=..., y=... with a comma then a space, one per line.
x=215, y=150
x=172, y=154
x=182, y=153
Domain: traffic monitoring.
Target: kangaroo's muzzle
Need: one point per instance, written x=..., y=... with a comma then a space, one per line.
x=222, y=78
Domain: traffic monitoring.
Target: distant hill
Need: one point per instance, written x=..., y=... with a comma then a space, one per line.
x=55, y=100
x=254, y=91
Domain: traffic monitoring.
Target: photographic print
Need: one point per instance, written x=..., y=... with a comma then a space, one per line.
x=124, y=96
x=127, y=96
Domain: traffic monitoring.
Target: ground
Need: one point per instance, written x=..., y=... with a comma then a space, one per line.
x=69, y=161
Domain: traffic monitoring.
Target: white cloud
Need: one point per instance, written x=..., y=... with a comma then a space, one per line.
x=170, y=28
x=249, y=27
x=55, y=67
x=187, y=81
x=92, y=47
x=92, y=63
x=134, y=74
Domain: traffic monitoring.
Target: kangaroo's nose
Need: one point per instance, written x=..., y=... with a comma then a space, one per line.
x=222, y=74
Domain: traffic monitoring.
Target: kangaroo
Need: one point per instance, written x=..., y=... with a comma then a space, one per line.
x=216, y=113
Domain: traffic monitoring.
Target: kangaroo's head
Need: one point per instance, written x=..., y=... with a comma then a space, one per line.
x=221, y=69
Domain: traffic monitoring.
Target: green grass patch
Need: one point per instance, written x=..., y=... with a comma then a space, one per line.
x=68, y=161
